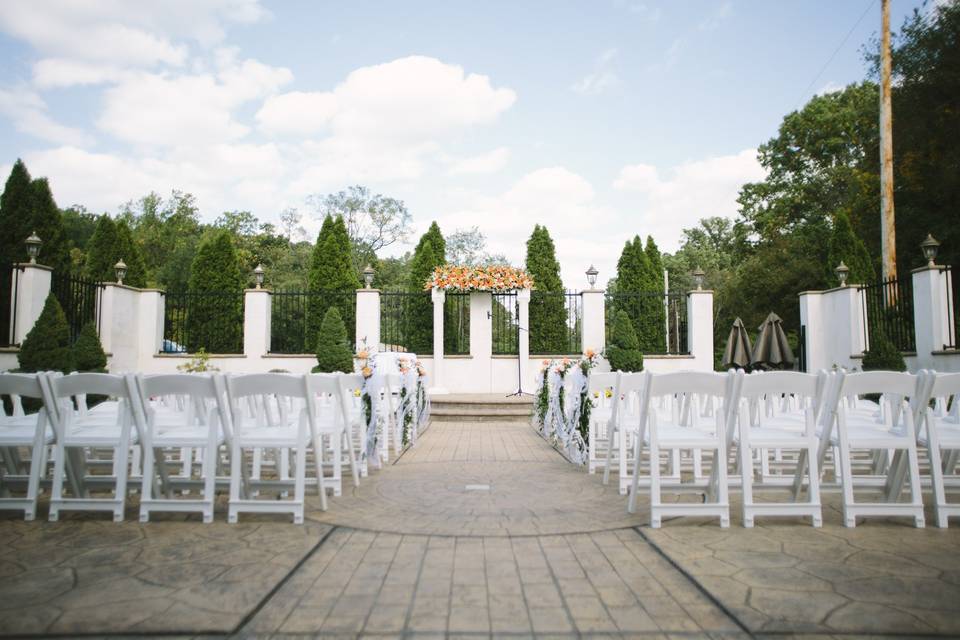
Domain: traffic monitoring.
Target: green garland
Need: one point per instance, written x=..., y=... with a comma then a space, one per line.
x=543, y=399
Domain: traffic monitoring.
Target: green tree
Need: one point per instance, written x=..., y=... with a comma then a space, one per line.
x=333, y=280
x=215, y=314
x=845, y=246
x=548, y=317
x=428, y=255
x=47, y=345
x=88, y=353
x=45, y=220
x=333, y=346
x=636, y=281
x=883, y=355
x=126, y=249
x=16, y=214
x=101, y=251
x=623, y=351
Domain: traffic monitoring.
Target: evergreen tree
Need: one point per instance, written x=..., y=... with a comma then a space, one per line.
x=100, y=251
x=333, y=347
x=847, y=247
x=333, y=280
x=428, y=255
x=215, y=315
x=883, y=354
x=126, y=249
x=47, y=345
x=88, y=353
x=623, y=352
x=635, y=281
x=16, y=214
x=651, y=323
x=548, y=318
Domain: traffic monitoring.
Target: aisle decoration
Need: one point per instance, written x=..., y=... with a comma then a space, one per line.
x=370, y=401
x=561, y=420
x=412, y=409
x=495, y=278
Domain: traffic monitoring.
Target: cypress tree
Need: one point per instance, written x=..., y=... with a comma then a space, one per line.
x=548, y=318
x=333, y=279
x=47, y=345
x=215, y=322
x=126, y=249
x=883, y=355
x=100, y=251
x=16, y=214
x=333, y=347
x=623, y=352
x=428, y=255
x=88, y=353
x=47, y=222
x=651, y=332
x=634, y=278
x=846, y=246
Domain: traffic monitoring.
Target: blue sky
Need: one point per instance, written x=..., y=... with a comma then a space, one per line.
x=599, y=119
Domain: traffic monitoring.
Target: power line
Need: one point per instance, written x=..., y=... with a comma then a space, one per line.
x=835, y=52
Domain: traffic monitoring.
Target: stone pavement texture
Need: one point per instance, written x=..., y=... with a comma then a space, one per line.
x=481, y=530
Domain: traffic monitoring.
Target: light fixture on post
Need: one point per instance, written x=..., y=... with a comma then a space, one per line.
x=33, y=247
x=930, y=247
x=121, y=270
x=258, y=275
x=843, y=272
x=368, y=276
x=698, y=275
x=592, y=276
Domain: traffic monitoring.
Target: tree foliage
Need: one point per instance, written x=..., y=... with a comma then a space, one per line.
x=333, y=279
x=215, y=312
x=47, y=345
x=548, y=316
x=101, y=251
x=623, y=350
x=845, y=246
x=88, y=353
x=333, y=346
x=428, y=255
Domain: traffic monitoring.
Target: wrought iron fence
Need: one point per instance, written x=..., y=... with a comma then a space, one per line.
x=659, y=319
x=506, y=324
x=406, y=322
x=9, y=276
x=212, y=321
x=556, y=322
x=295, y=317
x=888, y=309
x=456, y=324
x=78, y=298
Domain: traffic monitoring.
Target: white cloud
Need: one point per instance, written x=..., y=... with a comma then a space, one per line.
x=687, y=192
x=297, y=112
x=830, y=87
x=489, y=162
x=601, y=78
x=716, y=17
x=28, y=112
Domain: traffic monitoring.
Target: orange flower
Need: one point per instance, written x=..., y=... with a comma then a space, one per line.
x=367, y=372
x=363, y=354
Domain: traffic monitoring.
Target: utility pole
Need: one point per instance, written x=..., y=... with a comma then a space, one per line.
x=888, y=232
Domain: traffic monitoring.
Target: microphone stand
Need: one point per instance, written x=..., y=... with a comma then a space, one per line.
x=519, y=393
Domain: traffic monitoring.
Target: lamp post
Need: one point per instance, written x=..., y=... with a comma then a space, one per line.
x=930, y=247
x=121, y=270
x=33, y=247
x=258, y=275
x=843, y=272
x=368, y=276
x=698, y=275
x=592, y=276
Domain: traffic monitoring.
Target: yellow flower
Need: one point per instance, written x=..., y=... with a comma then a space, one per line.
x=356, y=393
x=608, y=393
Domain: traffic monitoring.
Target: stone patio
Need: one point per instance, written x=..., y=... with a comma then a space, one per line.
x=482, y=529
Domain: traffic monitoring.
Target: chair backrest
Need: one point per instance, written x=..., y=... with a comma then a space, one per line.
x=780, y=382
x=906, y=385
x=600, y=382
x=686, y=382
x=278, y=384
x=21, y=385
x=177, y=384
x=945, y=385
x=104, y=384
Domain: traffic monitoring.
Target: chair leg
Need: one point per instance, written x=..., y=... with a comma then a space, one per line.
x=654, y=452
x=348, y=434
x=723, y=486
x=746, y=482
x=814, y=486
x=236, y=460
x=936, y=477
x=842, y=461
x=321, y=482
x=611, y=431
x=33, y=484
x=916, y=491
x=301, y=476
x=56, y=490
x=146, y=482
x=121, y=494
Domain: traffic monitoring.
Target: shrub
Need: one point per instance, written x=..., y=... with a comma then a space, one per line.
x=47, y=346
x=88, y=353
x=333, y=348
x=623, y=352
x=199, y=363
x=429, y=254
x=883, y=354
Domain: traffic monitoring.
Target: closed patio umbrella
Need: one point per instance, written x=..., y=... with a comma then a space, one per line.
x=771, y=350
x=738, y=352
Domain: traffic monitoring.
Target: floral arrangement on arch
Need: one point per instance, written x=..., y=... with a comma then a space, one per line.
x=493, y=278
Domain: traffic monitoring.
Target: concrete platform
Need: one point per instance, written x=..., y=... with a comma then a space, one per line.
x=481, y=407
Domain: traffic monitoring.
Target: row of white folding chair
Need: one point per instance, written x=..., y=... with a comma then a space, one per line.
x=33, y=431
x=938, y=431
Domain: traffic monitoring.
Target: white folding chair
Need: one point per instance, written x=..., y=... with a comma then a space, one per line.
x=202, y=425
x=853, y=430
x=351, y=387
x=332, y=422
x=777, y=411
x=667, y=433
x=117, y=430
x=294, y=430
x=939, y=432
x=601, y=388
x=33, y=431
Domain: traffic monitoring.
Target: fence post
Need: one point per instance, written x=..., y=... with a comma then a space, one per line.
x=31, y=291
x=931, y=315
x=368, y=318
x=594, y=326
x=700, y=328
x=257, y=306
x=438, y=296
x=523, y=339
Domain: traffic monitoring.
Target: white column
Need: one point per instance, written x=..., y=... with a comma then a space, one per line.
x=836, y=333
x=438, y=296
x=700, y=329
x=523, y=340
x=150, y=339
x=31, y=288
x=368, y=318
x=815, y=331
x=120, y=326
x=931, y=312
x=593, y=325
x=256, y=324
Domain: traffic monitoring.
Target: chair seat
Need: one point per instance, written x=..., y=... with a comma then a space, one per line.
x=949, y=435
x=683, y=437
x=269, y=437
x=776, y=436
x=184, y=436
x=98, y=435
x=862, y=437
x=20, y=432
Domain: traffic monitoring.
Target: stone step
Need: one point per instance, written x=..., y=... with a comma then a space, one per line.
x=480, y=408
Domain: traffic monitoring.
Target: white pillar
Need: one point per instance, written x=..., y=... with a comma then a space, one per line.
x=931, y=312
x=257, y=305
x=700, y=329
x=31, y=288
x=368, y=318
x=151, y=326
x=523, y=339
x=438, y=296
x=811, y=320
x=594, y=315
x=121, y=326
x=835, y=330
